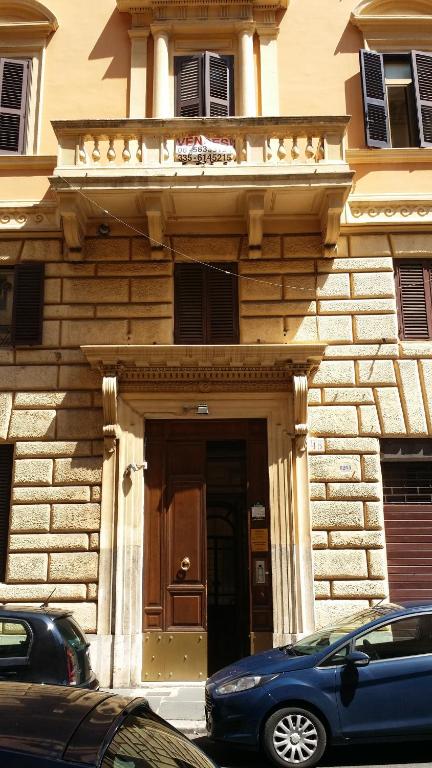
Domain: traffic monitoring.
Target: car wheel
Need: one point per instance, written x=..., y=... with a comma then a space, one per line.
x=294, y=736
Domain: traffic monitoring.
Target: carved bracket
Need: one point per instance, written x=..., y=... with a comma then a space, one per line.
x=330, y=215
x=300, y=388
x=109, y=404
x=255, y=222
x=74, y=220
x=155, y=223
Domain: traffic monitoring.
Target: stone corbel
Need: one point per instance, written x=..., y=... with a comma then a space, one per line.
x=255, y=223
x=109, y=404
x=300, y=386
x=74, y=221
x=330, y=215
x=156, y=225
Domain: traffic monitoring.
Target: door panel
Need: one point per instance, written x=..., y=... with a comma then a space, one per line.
x=185, y=531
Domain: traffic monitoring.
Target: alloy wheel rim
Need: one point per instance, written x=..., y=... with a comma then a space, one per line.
x=295, y=738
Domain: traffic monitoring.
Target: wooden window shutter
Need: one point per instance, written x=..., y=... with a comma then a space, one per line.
x=414, y=299
x=28, y=304
x=189, y=86
x=422, y=77
x=377, y=130
x=6, y=464
x=189, y=302
x=222, y=306
x=218, y=85
x=14, y=75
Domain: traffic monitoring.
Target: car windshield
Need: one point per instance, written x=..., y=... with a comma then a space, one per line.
x=334, y=632
x=146, y=742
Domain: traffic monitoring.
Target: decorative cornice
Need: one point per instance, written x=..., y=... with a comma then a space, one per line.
x=390, y=209
x=25, y=18
x=27, y=162
x=244, y=367
x=30, y=217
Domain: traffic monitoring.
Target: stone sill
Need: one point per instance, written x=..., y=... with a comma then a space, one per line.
x=27, y=162
x=400, y=156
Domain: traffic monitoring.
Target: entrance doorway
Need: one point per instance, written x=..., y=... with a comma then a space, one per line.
x=207, y=588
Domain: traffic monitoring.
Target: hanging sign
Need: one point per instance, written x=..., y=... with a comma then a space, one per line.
x=200, y=150
x=258, y=512
x=259, y=540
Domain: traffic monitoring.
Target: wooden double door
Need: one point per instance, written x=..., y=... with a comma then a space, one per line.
x=207, y=583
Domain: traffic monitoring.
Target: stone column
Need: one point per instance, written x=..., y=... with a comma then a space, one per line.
x=138, y=78
x=161, y=86
x=269, y=75
x=247, y=101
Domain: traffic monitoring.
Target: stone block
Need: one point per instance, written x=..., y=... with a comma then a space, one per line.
x=332, y=372
x=425, y=370
x=287, y=267
x=19, y=593
x=337, y=515
x=369, y=589
x=29, y=568
x=208, y=248
x=51, y=494
x=375, y=328
x=270, y=289
x=95, y=290
x=368, y=420
x=302, y=246
x=70, y=269
x=299, y=308
x=151, y=331
x=92, y=591
x=299, y=287
x=412, y=397
x=314, y=397
x=367, y=264
x=376, y=372
x=390, y=411
x=364, y=491
x=317, y=491
x=356, y=306
x=141, y=249
x=25, y=425
x=68, y=311
x=334, y=467
x=322, y=590
x=374, y=515
x=33, y=518
x=348, y=396
x=57, y=448
x=369, y=245
x=152, y=289
x=268, y=331
x=77, y=332
x=35, y=377
x=52, y=400
x=95, y=493
x=356, y=540
x=333, y=285
x=134, y=269
x=79, y=377
x=80, y=470
x=331, y=611
x=377, y=564
x=319, y=539
x=41, y=250
x=264, y=309
x=371, y=284
x=301, y=329
x=52, y=291
x=79, y=424
x=107, y=249
x=352, y=445
x=49, y=542
x=9, y=251
x=333, y=420
x=412, y=244
x=94, y=542
x=84, y=613
x=71, y=567
x=5, y=413
x=135, y=310
x=337, y=328
x=371, y=468
x=415, y=349
x=340, y=564
x=76, y=517
x=358, y=351
x=33, y=472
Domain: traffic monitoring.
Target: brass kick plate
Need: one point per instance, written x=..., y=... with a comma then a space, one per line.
x=174, y=656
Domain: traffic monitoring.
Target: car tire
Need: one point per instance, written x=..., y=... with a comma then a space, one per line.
x=294, y=737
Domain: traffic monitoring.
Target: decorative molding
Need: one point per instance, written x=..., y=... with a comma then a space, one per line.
x=403, y=156
x=33, y=217
x=394, y=24
x=74, y=218
x=390, y=210
x=28, y=162
x=255, y=222
x=300, y=388
x=109, y=404
x=25, y=18
x=330, y=215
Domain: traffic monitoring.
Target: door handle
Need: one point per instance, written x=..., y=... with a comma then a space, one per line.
x=185, y=564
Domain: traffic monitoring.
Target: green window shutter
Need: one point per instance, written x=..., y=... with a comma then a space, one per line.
x=28, y=304
x=14, y=76
x=422, y=77
x=377, y=131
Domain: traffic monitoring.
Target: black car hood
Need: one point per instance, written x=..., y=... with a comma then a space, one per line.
x=264, y=663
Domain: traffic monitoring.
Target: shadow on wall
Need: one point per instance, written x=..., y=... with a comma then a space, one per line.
x=113, y=43
x=351, y=42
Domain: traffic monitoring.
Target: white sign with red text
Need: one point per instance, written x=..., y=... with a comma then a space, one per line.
x=200, y=150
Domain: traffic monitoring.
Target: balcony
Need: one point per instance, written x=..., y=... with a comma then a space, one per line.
x=236, y=175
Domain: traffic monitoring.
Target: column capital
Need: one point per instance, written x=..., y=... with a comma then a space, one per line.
x=245, y=26
x=139, y=33
x=161, y=28
x=267, y=31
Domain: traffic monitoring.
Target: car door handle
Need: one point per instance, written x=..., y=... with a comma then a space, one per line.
x=9, y=673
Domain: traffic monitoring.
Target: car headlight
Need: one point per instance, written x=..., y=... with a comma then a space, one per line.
x=244, y=683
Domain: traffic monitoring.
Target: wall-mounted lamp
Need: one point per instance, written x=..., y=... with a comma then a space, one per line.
x=134, y=468
x=202, y=409
x=104, y=230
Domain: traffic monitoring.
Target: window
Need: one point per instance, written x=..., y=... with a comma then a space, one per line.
x=206, y=304
x=414, y=296
x=397, y=98
x=21, y=304
x=14, y=640
x=204, y=85
x=407, y=637
x=6, y=464
x=14, y=85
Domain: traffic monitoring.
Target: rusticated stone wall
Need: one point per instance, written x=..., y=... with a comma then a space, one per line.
x=369, y=385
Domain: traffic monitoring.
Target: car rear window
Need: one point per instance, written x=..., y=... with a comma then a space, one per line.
x=145, y=742
x=74, y=639
x=14, y=640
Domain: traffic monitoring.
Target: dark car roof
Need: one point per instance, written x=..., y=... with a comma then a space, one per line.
x=27, y=712
x=26, y=611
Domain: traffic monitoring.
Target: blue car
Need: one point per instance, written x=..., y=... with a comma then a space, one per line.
x=366, y=678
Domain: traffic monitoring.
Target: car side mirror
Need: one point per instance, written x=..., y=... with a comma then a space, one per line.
x=357, y=659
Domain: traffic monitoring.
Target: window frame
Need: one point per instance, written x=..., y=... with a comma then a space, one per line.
x=427, y=267
x=386, y=624
x=17, y=336
x=202, y=55
x=14, y=661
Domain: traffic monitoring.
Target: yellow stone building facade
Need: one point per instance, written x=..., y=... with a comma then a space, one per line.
x=326, y=371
